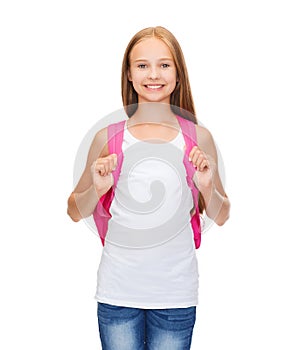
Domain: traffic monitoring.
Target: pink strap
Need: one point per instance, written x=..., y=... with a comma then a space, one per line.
x=190, y=137
x=115, y=134
x=115, y=138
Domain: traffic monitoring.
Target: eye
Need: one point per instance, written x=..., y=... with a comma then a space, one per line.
x=165, y=65
x=142, y=66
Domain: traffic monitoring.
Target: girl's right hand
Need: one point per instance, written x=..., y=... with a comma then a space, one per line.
x=101, y=170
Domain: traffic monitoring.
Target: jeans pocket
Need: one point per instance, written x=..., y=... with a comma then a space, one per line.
x=108, y=306
x=182, y=314
x=109, y=314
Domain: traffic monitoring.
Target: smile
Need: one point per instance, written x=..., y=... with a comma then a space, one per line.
x=154, y=87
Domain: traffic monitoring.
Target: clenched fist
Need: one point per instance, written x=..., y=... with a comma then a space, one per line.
x=101, y=170
x=205, y=169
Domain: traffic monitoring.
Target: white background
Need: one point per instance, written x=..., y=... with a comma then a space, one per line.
x=60, y=73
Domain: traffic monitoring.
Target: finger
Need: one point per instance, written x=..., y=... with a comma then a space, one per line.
x=110, y=164
x=103, y=166
x=194, y=154
x=100, y=168
x=114, y=161
x=199, y=159
x=193, y=150
x=204, y=165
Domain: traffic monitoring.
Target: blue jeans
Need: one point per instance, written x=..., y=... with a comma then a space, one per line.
x=128, y=328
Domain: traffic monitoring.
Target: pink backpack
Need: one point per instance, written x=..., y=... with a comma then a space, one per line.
x=101, y=213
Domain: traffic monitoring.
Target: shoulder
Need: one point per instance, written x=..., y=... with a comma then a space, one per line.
x=204, y=137
x=101, y=135
x=101, y=138
x=100, y=144
x=205, y=141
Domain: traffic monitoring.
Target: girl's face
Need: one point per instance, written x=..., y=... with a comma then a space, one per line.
x=152, y=71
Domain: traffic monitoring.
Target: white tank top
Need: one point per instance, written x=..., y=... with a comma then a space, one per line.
x=149, y=258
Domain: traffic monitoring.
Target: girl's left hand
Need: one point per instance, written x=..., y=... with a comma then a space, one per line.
x=205, y=169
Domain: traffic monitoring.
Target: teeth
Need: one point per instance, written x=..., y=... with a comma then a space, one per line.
x=154, y=86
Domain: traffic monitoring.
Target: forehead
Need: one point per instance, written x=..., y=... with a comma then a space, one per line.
x=150, y=48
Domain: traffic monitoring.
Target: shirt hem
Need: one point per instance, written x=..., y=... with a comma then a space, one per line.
x=126, y=303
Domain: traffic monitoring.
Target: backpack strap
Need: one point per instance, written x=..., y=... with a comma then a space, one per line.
x=115, y=134
x=190, y=137
x=115, y=139
x=101, y=213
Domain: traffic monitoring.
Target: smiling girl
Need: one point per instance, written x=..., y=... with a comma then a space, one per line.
x=147, y=297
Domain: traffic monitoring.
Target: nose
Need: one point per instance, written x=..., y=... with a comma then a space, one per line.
x=153, y=73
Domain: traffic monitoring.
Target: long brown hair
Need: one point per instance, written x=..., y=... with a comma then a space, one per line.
x=181, y=99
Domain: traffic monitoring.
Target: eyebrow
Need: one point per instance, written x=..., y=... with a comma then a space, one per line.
x=160, y=59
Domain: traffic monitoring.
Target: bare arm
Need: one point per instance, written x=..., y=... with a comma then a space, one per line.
x=95, y=181
x=207, y=178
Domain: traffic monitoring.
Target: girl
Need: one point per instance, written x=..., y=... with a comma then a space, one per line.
x=147, y=297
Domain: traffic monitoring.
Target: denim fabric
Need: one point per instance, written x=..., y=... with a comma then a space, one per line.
x=128, y=328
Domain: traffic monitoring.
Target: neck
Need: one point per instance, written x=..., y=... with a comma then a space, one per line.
x=154, y=112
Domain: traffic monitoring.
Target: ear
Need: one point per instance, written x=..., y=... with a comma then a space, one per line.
x=129, y=75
